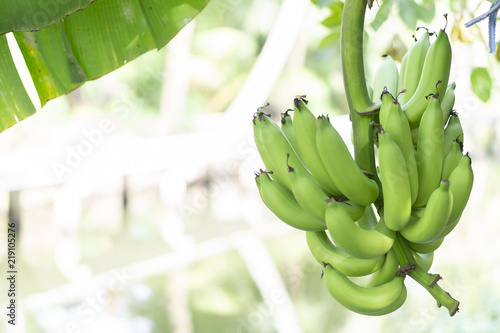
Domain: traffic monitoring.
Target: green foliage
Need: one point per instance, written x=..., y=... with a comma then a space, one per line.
x=15, y=104
x=31, y=15
x=382, y=14
x=481, y=83
x=83, y=46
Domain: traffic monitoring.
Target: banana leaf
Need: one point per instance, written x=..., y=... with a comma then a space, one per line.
x=66, y=42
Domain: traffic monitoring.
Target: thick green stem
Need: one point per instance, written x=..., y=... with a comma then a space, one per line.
x=358, y=100
x=361, y=114
x=426, y=280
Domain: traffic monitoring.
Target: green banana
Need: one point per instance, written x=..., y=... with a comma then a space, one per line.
x=367, y=220
x=386, y=77
x=434, y=219
x=385, y=107
x=369, y=88
x=449, y=228
x=429, y=151
x=354, y=210
x=415, y=63
x=304, y=126
x=341, y=167
x=349, y=237
x=448, y=101
x=453, y=131
x=396, y=305
x=311, y=196
x=265, y=156
x=287, y=128
x=426, y=247
x=397, y=125
x=274, y=148
x=461, y=181
x=414, y=136
x=436, y=68
x=363, y=300
x=452, y=159
x=402, y=74
x=283, y=204
x=395, y=183
x=324, y=250
x=387, y=272
x=424, y=260
x=308, y=193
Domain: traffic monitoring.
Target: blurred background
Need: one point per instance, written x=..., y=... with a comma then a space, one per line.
x=135, y=194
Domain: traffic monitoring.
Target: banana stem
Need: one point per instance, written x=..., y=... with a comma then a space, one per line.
x=353, y=70
x=426, y=280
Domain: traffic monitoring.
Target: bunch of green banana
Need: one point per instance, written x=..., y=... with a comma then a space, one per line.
x=423, y=182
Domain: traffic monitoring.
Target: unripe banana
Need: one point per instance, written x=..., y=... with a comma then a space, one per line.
x=385, y=107
x=448, y=101
x=449, y=228
x=461, y=181
x=308, y=193
x=304, y=126
x=284, y=206
x=386, y=77
x=429, y=151
x=396, y=305
x=424, y=260
x=369, y=88
x=436, y=68
x=287, y=128
x=311, y=196
x=426, y=247
x=414, y=136
x=367, y=301
x=395, y=183
x=402, y=74
x=397, y=125
x=434, y=219
x=387, y=272
x=274, y=148
x=354, y=210
x=415, y=63
x=341, y=167
x=324, y=250
x=364, y=244
x=367, y=220
x=453, y=131
x=265, y=156
x=452, y=159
